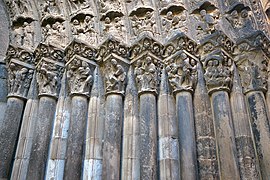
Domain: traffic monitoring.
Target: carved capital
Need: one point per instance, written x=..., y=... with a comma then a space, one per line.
x=80, y=66
x=252, y=65
x=20, y=63
x=182, y=71
x=218, y=72
x=50, y=69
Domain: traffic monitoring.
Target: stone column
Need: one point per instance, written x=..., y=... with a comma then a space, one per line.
x=25, y=141
x=185, y=117
x=19, y=80
x=261, y=129
x=4, y=89
x=168, y=142
x=80, y=80
x=205, y=132
x=58, y=143
x=247, y=157
x=218, y=77
x=130, y=168
x=147, y=82
x=115, y=80
x=92, y=168
x=49, y=75
x=112, y=138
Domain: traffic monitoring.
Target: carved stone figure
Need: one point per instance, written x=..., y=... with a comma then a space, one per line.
x=51, y=7
x=146, y=73
x=116, y=77
x=19, y=80
x=174, y=22
x=24, y=35
x=55, y=33
x=218, y=72
x=77, y=4
x=182, y=73
x=144, y=23
x=79, y=77
x=109, y=5
x=48, y=78
x=207, y=22
x=240, y=21
x=115, y=27
x=19, y=7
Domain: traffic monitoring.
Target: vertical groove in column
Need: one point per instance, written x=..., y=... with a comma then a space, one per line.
x=185, y=117
x=25, y=142
x=58, y=143
x=260, y=127
x=130, y=168
x=205, y=132
x=9, y=130
x=112, y=138
x=92, y=168
x=148, y=136
x=76, y=135
x=41, y=138
x=225, y=136
x=247, y=157
x=168, y=141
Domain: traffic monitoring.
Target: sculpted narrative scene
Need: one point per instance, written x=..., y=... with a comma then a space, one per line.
x=134, y=90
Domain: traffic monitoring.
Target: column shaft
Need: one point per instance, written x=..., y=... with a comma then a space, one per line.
x=112, y=139
x=41, y=138
x=185, y=117
x=261, y=129
x=148, y=131
x=76, y=135
x=225, y=136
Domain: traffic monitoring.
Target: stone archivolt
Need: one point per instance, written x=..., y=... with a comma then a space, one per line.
x=69, y=50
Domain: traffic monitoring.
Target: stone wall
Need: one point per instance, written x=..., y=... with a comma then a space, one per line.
x=145, y=89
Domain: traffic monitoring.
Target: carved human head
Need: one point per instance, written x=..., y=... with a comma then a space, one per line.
x=75, y=22
x=244, y=13
x=114, y=62
x=234, y=14
x=183, y=56
x=87, y=18
x=170, y=15
x=203, y=12
x=193, y=62
x=117, y=19
x=107, y=20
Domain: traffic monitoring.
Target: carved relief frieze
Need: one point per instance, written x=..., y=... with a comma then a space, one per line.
x=49, y=69
x=54, y=32
x=20, y=65
x=114, y=26
x=174, y=21
x=182, y=71
x=107, y=6
x=78, y=5
x=83, y=28
x=143, y=20
x=19, y=9
x=23, y=33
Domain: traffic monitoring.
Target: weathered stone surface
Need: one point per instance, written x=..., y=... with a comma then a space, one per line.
x=260, y=127
x=76, y=135
x=41, y=138
x=148, y=136
x=168, y=141
x=185, y=117
x=225, y=136
x=204, y=47
x=10, y=126
x=112, y=137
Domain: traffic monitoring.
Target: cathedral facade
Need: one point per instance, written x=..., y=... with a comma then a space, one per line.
x=134, y=89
